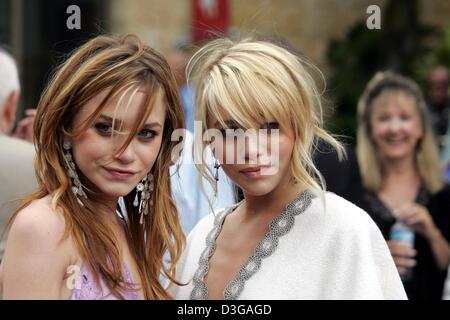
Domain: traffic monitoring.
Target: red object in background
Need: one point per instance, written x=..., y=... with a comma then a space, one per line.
x=211, y=19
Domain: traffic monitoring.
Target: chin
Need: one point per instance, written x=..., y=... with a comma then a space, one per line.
x=397, y=155
x=255, y=190
x=115, y=191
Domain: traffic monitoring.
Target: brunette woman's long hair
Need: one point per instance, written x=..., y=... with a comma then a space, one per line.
x=116, y=64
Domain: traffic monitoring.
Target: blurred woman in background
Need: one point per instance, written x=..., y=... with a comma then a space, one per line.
x=401, y=178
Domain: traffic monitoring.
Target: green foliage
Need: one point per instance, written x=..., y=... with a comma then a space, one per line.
x=352, y=66
x=402, y=45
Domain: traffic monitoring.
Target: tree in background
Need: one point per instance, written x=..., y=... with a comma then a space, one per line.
x=402, y=44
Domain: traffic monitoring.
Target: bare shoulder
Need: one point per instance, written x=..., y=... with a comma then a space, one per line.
x=36, y=255
x=38, y=225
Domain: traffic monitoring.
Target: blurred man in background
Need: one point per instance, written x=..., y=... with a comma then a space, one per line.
x=439, y=101
x=191, y=203
x=178, y=58
x=16, y=155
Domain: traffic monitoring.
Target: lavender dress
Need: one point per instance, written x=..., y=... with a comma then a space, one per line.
x=87, y=289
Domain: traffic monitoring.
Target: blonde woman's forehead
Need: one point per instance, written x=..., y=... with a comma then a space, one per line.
x=248, y=105
x=224, y=119
x=395, y=101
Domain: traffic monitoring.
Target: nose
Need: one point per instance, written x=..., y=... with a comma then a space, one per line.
x=128, y=155
x=395, y=125
x=252, y=147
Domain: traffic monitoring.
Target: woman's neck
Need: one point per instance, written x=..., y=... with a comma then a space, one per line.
x=401, y=170
x=401, y=183
x=272, y=203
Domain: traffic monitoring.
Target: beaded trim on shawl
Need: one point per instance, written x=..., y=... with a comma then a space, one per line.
x=279, y=226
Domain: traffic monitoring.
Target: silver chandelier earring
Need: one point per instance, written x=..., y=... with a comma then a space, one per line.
x=77, y=188
x=145, y=187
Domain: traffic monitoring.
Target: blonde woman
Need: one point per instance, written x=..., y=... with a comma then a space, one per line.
x=288, y=239
x=401, y=175
x=103, y=131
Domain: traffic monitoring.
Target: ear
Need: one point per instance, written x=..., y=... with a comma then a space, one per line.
x=9, y=112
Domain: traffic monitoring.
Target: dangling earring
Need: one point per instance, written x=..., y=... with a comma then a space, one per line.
x=77, y=188
x=216, y=166
x=146, y=188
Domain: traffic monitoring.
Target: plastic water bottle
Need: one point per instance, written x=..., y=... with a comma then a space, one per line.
x=401, y=232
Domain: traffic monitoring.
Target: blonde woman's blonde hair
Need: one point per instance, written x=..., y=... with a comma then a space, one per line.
x=256, y=80
x=369, y=159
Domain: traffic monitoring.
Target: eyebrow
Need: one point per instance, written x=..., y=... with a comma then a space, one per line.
x=118, y=121
x=228, y=123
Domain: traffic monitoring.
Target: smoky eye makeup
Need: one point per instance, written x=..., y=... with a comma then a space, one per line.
x=229, y=130
x=147, y=134
x=270, y=125
x=265, y=126
x=105, y=129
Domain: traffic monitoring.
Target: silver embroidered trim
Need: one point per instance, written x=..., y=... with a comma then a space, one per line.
x=277, y=228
